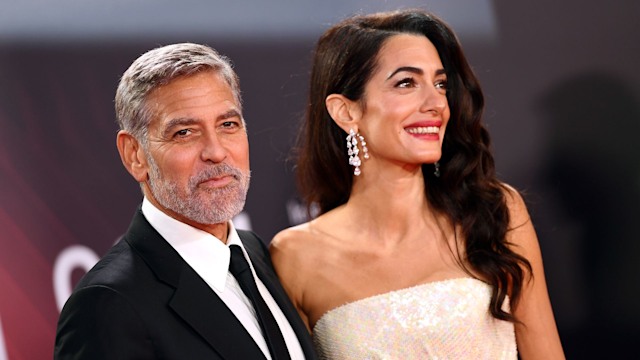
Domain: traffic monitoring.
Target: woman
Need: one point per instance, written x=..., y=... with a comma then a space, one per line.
x=418, y=250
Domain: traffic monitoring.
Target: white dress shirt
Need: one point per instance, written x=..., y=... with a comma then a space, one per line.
x=209, y=257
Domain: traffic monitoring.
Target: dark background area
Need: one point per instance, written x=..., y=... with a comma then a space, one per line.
x=562, y=89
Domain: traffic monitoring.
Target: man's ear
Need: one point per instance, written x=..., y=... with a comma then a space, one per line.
x=346, y=113
x=132, y=155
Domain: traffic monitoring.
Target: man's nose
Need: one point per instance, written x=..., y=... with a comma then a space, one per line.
x=213, y=149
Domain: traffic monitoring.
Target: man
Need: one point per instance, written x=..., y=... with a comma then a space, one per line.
x=165, y=290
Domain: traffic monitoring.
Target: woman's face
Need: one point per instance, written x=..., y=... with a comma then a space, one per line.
x=406, y=109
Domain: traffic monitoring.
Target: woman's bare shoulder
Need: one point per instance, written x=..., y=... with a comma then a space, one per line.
x=294, y=239
x=518, y=213
x=309, y=245
x=295, y=248
x=521, y=235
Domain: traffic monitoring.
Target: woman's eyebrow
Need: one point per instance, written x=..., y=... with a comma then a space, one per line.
x=415, y=70
x=410, y=69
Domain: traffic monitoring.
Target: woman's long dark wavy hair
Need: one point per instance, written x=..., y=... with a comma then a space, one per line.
x=467, y=192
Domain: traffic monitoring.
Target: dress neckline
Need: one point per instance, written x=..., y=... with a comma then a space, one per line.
x=397, y=291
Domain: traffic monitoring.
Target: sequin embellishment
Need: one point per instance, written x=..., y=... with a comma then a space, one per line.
x=440, y=320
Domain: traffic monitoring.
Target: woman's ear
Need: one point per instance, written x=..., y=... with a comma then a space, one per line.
x=133, y=156
x=346, y=113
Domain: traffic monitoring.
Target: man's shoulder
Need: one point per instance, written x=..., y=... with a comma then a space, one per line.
x=252, y=242
x=256, y=248
x=118, y=267
x=248, y=236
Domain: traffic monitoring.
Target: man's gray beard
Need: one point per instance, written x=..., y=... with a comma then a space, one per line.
x=203, y=206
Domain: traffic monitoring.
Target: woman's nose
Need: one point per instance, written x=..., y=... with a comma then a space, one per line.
x=435, y=100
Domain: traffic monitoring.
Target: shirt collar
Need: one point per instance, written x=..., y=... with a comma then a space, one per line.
x=205, y=253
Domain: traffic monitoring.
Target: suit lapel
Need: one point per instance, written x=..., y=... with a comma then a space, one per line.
x=198, y=305
x=264, y=269
x=193, y=300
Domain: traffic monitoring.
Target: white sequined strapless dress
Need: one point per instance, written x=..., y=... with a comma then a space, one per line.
x=440, y=320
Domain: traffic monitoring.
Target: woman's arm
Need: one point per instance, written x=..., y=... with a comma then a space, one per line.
x=537, y=335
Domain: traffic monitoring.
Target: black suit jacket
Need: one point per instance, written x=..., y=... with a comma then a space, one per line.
x=142, y=301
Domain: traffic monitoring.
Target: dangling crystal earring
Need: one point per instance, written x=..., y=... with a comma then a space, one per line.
x=436, y=165
x=353, y=151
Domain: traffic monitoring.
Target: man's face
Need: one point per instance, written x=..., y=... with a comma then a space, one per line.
x=197, y=151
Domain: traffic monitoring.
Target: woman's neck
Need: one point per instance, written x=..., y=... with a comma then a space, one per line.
x=390, y=207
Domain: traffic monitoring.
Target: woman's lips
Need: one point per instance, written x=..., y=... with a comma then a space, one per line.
x=425, y=129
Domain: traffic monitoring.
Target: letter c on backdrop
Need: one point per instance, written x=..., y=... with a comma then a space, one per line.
x=71, y=258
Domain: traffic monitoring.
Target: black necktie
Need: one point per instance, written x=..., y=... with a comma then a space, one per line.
x=239, y=268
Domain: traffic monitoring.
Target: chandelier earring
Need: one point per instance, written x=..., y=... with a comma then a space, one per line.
x=352, y=150
x=436, y=166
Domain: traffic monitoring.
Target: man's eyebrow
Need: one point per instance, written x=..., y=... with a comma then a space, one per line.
x=173, y=123
x=229, y=114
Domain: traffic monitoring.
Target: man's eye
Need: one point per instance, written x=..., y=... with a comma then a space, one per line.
x=230, y=124
x=182, y=133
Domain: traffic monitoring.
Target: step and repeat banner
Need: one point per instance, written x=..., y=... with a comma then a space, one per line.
x=562, y=107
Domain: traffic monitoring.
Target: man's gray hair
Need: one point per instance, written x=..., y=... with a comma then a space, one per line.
x=158, y=67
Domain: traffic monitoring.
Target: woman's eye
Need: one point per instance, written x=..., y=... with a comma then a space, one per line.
x=405, y=83
x=442, y=84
